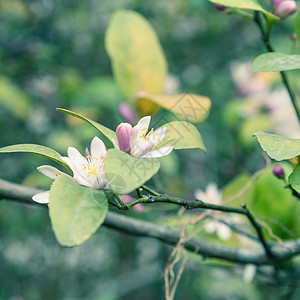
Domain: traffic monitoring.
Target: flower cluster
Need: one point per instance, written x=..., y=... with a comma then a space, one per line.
x=89, y=170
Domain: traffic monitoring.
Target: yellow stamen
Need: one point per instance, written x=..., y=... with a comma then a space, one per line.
x=92, y=171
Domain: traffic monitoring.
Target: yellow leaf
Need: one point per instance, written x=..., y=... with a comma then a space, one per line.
x=191, y=107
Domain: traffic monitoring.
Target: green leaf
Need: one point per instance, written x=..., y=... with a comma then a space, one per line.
x=182, y=135
x=278, y=147
x=294, y=179
x=138, y=61
x=275, y=204
x=126, y=173
x=276, y=62
x=14, y=99
x=246, y=4
x=76, y=212
x=37, y=149
x=191, y=107
x=110, y=134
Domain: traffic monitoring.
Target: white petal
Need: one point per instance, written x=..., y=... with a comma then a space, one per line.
x=199, y=195
x=223, y=232
x=249, y=272
x=159, y=134
x=210, y=227
x=144, y=122
x=97, y=148
x=49, y=171
x=116, y=144
x=76, y=162
x=141, y=148
x=164, y=151
x=138, y=130
x=42, y=197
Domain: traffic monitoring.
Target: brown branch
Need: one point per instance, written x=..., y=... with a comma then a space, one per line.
x=133, y=226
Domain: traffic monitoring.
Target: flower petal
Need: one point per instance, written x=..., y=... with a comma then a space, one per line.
x=144, y=121
x=49, y=171
x=97, y=148
x=158, y=135
x=141, y=148
x=164, y=151
x=76, y=162
x=115, y=143
x=223, y=232
x=42, y=197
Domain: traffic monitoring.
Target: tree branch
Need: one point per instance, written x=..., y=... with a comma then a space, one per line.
x=133, y=226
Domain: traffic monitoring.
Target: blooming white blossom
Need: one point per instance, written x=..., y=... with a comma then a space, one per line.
x=139, y=142
x=87, y=171
x=213, y=196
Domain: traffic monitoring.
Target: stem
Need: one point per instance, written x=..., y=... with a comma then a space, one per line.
x=122, y=205
x=152, y=192
x=259, y=231
x=265, y=31
x=139, y=193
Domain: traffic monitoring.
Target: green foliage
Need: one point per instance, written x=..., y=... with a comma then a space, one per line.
x=104, y=130
x=275, y=62
x=37, y=149
x=126, y=173
x=137, y=59
x=13, y=99
x=297, y=24
x=276, y=205
x=246, y=4
x=193, y=108
x=278, y=147
x=250, y=125
x=294, y=179
x=238, y=191
x=182, y=135
x=76, y=212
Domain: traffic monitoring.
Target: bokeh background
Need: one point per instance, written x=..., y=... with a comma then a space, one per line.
x=52, y=55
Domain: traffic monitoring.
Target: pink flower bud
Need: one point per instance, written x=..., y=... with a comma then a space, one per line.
x=127, y=113
x=123, y=132
x=275, y=3
x=285, y=8
x=219, y=7
x=278, y=171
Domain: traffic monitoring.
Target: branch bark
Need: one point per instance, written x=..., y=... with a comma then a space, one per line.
x=281, y=253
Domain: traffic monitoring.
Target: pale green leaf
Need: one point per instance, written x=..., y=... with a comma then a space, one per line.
x=276, y=62
x=76, y=212
x=278, y=147
x=182, y=135
x=110, y=134
x=246, y=4
x=191, y=107
x=138, y=61
x=294, y=179
x=126, y=173
x=36, y=149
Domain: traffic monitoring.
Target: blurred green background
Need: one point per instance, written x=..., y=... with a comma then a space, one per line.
x=52, y=55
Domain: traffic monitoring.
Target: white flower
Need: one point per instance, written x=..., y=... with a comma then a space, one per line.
x=139, y=142
x=213, y=196
x=249, y=272
x=87, y=171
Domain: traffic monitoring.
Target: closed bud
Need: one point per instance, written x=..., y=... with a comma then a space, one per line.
x=285, y=8
x=278, y=171
x=127, y=113
x=123, y=133
x=220, y=7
